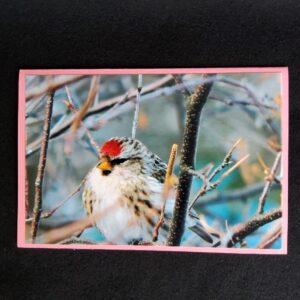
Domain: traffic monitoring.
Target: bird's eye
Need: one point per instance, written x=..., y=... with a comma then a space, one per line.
x=118, y=161
x=106, y=172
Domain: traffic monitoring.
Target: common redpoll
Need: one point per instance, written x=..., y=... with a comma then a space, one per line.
x=124, y=193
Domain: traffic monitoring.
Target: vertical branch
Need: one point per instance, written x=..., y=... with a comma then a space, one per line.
x=195, y=104
x=167, y=186
x=270, y=178
x=37, y=210
x=137, y=105
x=26, y=193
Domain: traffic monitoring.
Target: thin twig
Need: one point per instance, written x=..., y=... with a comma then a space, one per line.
x=207, y=184
x=137, y=105
x=243, y=230
x=226, y=161
x=229, y=171
x=70, y=105
x=183, y=89
x=69, y=97
x=38, y=199
x=87, y=104
x=48, y=214
x=80, y=114
x=58, y=234
x=53, y=87
x=254, y=99
x=75, y=240
x=242, y=102
x=101, y=107
x=153, y=90
x=203, y=189
x=269, y=181
x=26, y=194
x=235, y=195
x=100, y=122
x=166, y=189
x=263, y=165
x=195, y=104
x=270, y=238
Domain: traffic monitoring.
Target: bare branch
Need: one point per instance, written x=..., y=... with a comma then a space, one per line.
x=226, y=161
x=243, y=230
x=244, y=102
x=167, y=186
x=70, y=105
x=53, y=87
x=137, y=105
x=75, y=240
x=254, y=100
x=271, y=236
x=269, y=181
x=203, y=189
x=235, y=195
x=235, y=166
x=207, y=182
x=87, y=104
x=184, y=90
x=48, y=214
x=195, y=104
x=38, y=199
x=26, y=194
x=58, y=234
x=80, y=114
x=101, y=107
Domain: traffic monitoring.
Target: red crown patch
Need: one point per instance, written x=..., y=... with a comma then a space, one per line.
x=111, y=148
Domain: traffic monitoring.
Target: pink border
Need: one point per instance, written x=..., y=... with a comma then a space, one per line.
x=22, y=158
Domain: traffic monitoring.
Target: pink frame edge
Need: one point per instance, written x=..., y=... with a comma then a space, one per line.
x=22, y=158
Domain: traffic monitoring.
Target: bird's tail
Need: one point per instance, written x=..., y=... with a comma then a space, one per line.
x=212, y=238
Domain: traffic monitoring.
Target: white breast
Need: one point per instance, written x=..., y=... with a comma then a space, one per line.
x=115, y=219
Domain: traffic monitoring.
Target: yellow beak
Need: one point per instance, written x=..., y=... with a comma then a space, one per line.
x=105, y=166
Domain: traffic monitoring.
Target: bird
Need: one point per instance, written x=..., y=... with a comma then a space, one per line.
x=123, y=192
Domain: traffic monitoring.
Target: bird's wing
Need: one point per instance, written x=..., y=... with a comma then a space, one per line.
x=159, y=169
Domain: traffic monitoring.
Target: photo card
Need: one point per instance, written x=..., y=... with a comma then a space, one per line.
x=191, y=160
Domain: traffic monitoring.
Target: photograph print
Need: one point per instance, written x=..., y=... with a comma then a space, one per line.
x=154, y=159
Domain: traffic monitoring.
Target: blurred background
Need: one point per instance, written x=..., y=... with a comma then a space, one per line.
x=230, y=113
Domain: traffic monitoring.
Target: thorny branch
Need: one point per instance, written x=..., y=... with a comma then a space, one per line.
x=226, y=161
x=243, y=230
x=208, y=185
x=235, y=166
x=38, y=199
x=269, y=181
x=195, y=104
